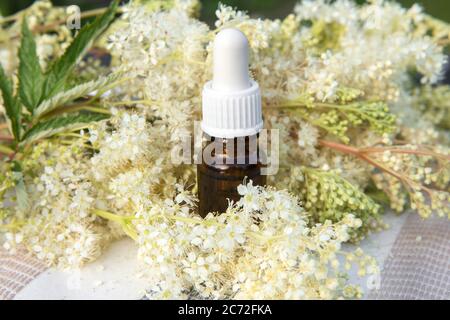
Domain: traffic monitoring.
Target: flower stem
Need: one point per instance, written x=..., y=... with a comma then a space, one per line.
x=11, y=226
x=110, y=216
x=51, y=26
x=340, y=147
x=129, y=102
x=107, y=88
x=124, y=221
x=363, y=155
x=73, y=135
x=406, y=151
x=80, y=106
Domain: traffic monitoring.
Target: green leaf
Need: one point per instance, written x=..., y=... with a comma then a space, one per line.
x=60, y=70
x=53, y=126
x=12, y=105
x=62, y=98
x=5, y=149
x=31, y=78
x=22, y=198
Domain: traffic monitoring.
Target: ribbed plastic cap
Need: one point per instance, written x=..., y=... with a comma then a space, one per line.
x=232, y=101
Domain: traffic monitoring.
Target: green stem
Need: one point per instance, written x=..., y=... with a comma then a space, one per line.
x=73, y=135
x=130, y=231
x=124, y=221
x=107, y=88
x=75, y=108
x=95, y=109
x=9, y=227
x=129, y=102
x=111, y=216
x=293, y=104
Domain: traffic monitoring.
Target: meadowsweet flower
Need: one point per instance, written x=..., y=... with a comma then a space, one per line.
x=329, y=71
x=307, y=138
x=220, y=256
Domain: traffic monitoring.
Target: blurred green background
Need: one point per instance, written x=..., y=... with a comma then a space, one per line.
x=262, y=8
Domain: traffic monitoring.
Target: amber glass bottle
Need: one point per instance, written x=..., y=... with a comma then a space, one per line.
x=233, y=160
x=232, y=114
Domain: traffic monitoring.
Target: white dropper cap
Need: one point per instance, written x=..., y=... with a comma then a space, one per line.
x=231, y=101
x=230, y=61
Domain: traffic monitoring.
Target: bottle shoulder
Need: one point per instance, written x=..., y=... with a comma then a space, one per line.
x=227, y=167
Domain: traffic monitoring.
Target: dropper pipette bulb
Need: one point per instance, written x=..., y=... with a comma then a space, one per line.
x=231, y=61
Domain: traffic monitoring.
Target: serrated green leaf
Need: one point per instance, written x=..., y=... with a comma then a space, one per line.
x=74, y=93
x=12, y=105
x=31, y=78
x=60, y=70
x=53, y=126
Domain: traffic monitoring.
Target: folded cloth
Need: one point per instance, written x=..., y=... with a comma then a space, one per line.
x=418, y=266
x=16, y=271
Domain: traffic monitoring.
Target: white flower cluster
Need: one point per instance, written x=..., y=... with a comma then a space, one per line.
x=261, y=248
x=319, y=69
x=60, y=228
x=126, y=144
x=375, y=46
x=164, y=54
